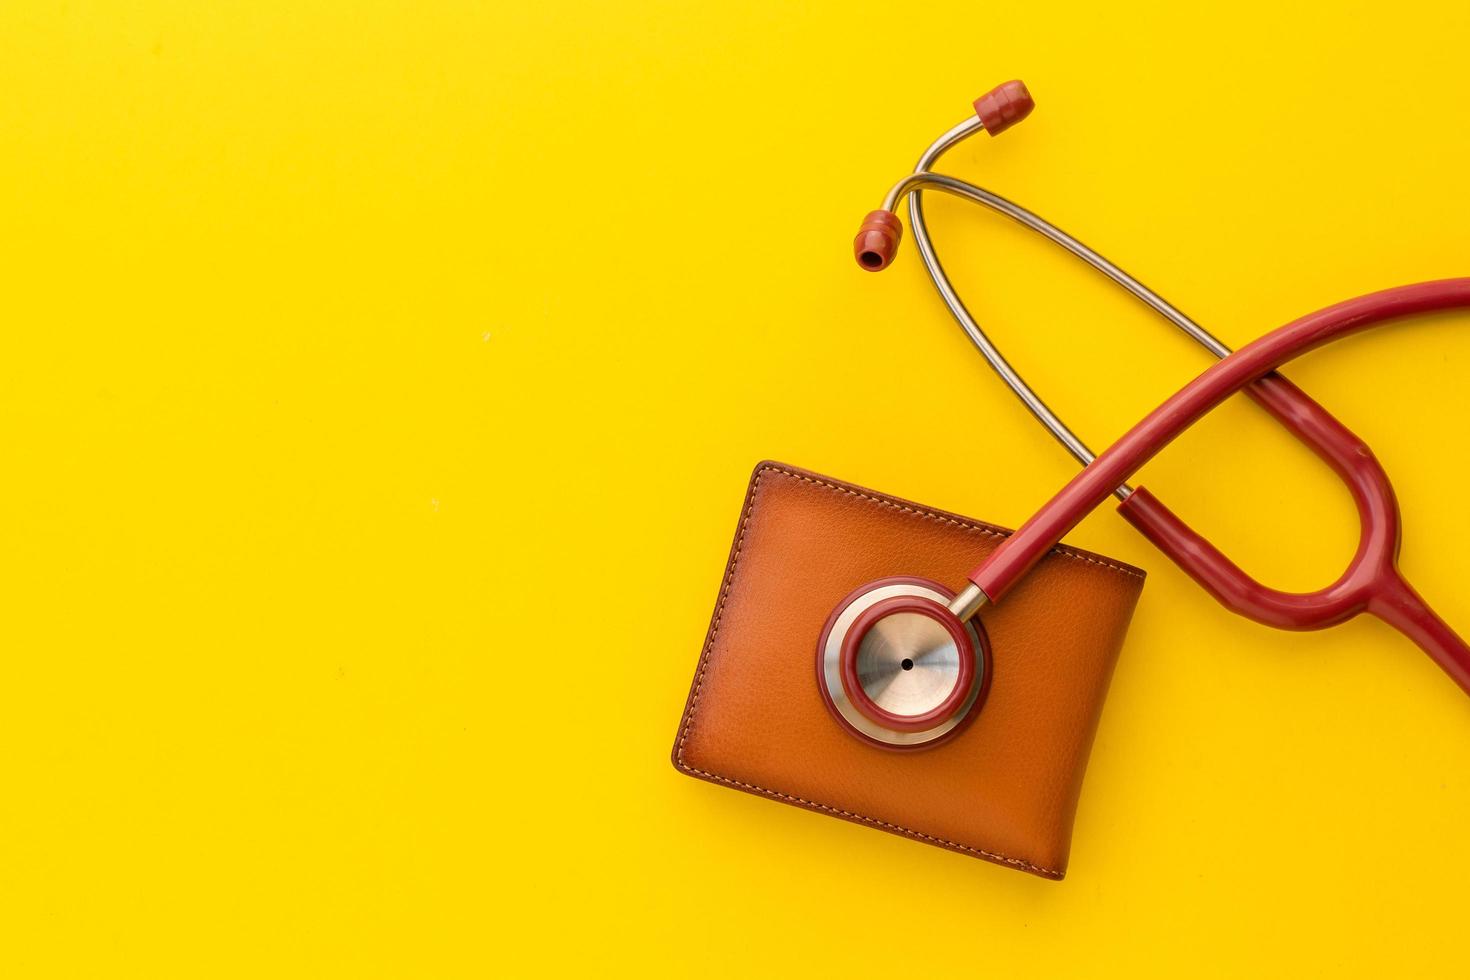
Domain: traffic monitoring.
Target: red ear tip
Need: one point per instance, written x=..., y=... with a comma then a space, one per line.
x=1004, y=106
x=877, y=240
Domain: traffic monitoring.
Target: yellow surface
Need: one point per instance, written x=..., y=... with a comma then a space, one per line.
x=379, y=386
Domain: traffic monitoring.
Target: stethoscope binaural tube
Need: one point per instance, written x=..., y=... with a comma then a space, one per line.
x=1019, y=98
x=1288, y=404
x=1372, y=582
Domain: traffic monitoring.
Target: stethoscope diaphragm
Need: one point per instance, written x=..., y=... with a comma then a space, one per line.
x=898, y=668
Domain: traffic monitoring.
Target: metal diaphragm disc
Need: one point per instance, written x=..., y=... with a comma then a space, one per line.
x=892, y=640
x=907, y=663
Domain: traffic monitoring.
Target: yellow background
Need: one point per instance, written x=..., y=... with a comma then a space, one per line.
x=379, y=386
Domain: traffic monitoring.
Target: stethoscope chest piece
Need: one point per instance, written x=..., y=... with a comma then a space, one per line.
x=898, y=668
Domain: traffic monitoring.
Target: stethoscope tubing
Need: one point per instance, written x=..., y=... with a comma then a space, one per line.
x=1371, y=583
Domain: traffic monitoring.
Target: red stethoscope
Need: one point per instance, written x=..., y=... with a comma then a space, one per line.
x=905, y=662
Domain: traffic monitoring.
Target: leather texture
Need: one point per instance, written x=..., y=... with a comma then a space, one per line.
x=1005, y=788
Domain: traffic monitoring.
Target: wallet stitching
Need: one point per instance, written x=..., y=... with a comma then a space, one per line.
x=715, y=630
x=945, y=518
x=1018, y=862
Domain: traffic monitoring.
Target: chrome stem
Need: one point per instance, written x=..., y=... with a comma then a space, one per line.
x=968, y=603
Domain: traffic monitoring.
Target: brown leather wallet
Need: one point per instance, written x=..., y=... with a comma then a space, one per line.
x=1006, y=788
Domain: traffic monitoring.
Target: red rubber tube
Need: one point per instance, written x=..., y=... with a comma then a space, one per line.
x=1353, y=461
x=1371, y=583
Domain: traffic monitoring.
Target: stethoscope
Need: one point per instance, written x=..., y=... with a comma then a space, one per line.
x=905, y=662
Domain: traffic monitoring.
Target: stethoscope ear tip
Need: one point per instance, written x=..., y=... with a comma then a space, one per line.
x=877, y=240
x=1004, y=106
